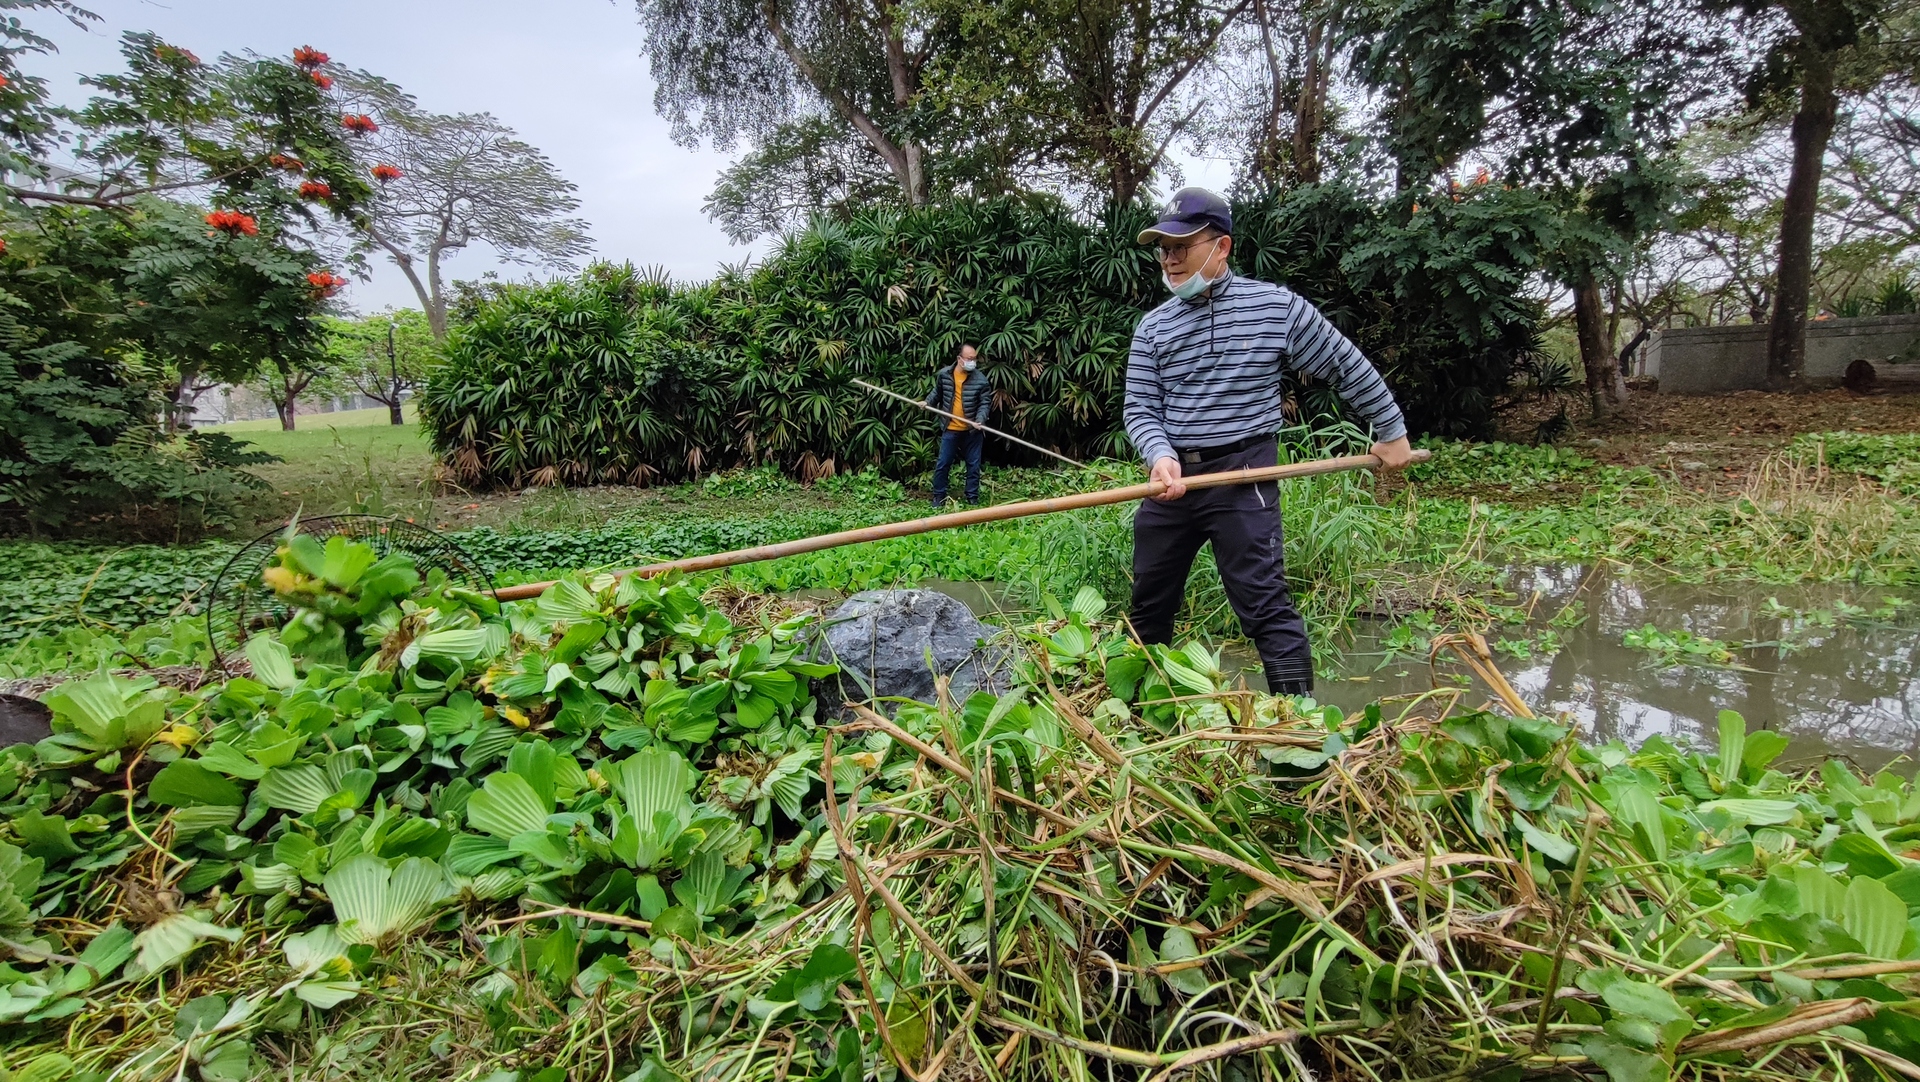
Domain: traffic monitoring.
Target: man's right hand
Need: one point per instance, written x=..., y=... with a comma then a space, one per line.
x=1167, y=472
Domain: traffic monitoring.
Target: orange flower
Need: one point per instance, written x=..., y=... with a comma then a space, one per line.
x=309, y=57
x=1482, y=177
x=384, y=173
x=325, y=283
x=3, y=247
x=316, y=189
x=325, y=81
x=4, y=81
x=234, y=222
x=288, y=162
x=358, y=123
x=174, y=52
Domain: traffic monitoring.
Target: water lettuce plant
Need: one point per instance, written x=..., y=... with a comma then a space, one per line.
x=611, y=834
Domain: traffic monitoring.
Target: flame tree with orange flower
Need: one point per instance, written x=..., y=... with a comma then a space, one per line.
x=175, y=257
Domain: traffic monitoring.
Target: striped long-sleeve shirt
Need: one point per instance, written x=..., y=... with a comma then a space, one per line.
x=1207, y=372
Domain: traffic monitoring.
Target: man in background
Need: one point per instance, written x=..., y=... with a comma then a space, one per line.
x=1204, y=396
x=963, y=392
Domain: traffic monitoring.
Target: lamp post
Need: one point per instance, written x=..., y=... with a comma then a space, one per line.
x=393, y=388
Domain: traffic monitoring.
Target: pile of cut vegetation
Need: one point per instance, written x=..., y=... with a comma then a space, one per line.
x=610, y=834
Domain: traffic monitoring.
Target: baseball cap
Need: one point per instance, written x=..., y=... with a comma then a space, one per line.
x=1188, y=212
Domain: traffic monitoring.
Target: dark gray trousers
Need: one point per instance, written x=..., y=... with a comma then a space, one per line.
x=1243, y=522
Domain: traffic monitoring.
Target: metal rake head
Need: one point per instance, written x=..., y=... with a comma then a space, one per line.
x=240, y=603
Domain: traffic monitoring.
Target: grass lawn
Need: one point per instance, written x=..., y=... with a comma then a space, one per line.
x=309, y=421
x=351, y=461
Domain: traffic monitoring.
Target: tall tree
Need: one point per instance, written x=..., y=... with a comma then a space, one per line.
x=385, y=357
x=110, y=273
x=749, y=70
x=1582, y=99
x=443, y=182
x=1828, y=49
x=1286, y=59
x=1107, y=86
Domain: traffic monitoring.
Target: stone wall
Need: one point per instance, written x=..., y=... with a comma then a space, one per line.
x=1711, y=360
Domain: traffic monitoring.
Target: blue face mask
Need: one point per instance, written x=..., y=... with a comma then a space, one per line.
x=1197, y=282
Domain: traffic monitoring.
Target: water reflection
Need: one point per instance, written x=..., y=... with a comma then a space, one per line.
x=1850, y=689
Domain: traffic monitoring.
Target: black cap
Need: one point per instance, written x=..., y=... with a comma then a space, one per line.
x=1188, y=212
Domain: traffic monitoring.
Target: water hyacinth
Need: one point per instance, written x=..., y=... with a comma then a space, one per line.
x=610, y=833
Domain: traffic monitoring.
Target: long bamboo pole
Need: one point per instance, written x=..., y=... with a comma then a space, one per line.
x=974, y=517
x=970, y=423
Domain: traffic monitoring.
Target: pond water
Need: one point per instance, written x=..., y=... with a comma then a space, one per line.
x=1836, y=668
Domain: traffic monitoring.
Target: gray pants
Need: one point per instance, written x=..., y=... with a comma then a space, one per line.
x=1243, y=522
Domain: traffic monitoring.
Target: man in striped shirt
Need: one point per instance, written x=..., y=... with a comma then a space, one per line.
x=1204, y=396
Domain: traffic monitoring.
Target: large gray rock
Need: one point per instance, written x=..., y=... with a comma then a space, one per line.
x=893, y=643
x=23, y=721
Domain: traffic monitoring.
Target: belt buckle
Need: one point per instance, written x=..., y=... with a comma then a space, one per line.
x=1190, y=458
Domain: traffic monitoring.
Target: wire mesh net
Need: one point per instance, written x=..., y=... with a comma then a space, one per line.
x=241, y=604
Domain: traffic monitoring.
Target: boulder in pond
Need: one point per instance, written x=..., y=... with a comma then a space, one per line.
x=23, y=720
x=894, y=643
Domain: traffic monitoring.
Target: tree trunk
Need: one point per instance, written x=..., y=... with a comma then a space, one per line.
x=393, y=411
x=1606, y=391
x=1793, y=283
x=1313, y=103
x=906, y=168
x=286, y=411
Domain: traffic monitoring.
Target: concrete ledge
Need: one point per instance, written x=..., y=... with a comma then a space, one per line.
x=1711, y=360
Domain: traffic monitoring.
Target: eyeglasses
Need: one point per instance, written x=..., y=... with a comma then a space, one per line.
x=1173, y=253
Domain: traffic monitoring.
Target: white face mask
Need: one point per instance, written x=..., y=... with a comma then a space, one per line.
x=968, y=365
x=1197, y=282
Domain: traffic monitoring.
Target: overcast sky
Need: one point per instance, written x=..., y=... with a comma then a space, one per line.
x=568, y=75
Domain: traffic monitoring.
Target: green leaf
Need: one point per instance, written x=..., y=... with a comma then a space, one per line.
x=1178, y=945
x=829, y=966
x=470, y=854
x=1635, y=805
x=1641, y=1000
x=677, y=922
x=272, y=662
x=345, y=561
x=46, y=836
x=542, y=845
x=1623, y=1062
x=19, y=879
x=172, y=938
x=96, y=708
x=565, y=602
x=457, y=644
x=700, y=888
x=654, y=780
x=1733, y=746
x=1760, y=813
x=1875, y=916
x=1864, y=855
x=184, y=782
x=373, y=902
x=1763, y=747
x=1551, y=846
x=106, y=953
x=300, y=789
x=232, y=762
x=1088, y=604
x=507, y=806
x=1820, y=894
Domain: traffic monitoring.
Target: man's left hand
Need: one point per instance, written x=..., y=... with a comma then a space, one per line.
x=1394, y=455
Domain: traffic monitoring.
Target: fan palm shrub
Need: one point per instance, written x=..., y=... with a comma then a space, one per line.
x=619, y=376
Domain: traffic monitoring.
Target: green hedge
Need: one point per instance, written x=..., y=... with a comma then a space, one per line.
x=618, y=377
